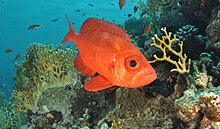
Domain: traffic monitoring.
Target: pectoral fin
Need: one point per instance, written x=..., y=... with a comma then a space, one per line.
x=80, y=66
x=97, y=83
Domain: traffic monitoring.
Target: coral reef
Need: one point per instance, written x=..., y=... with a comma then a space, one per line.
x=93, y=108
x=210, y=105
x=213, y=31
x=201, y=80
x=8, y=117
x=186, y=32
x=62, y=107
x=213, y=47
x=199, y=106
x=49, y=93
x=165, y=43
x=148, y=10
x=73, y=107
x=187, y=108
x=209, y=65
x=44, y=67
x=197, y=12
x=135, y=111
x=135, y=27
x=194, y=105
x=172, y=20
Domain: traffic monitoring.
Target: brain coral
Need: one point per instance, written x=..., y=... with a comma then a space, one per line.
x=44, y=67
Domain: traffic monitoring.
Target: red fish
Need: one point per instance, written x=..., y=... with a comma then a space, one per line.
x=121, y=3
x=105, y=48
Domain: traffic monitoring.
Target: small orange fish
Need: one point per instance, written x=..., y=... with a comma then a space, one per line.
x=8, y=50
x=131, y=0
x=17, y=56
x=106, y=49
x=146, y=30
x=122, y=4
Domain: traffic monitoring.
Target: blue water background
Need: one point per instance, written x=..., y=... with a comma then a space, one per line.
x=17, y=15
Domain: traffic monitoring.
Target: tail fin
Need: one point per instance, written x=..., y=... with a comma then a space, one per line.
x=70, y=34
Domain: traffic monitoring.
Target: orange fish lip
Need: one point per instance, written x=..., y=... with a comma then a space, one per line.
x=150, y=76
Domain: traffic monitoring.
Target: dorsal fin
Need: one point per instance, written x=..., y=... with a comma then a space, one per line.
x=94, y=24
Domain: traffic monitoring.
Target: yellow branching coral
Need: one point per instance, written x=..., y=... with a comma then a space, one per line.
x=166, y=44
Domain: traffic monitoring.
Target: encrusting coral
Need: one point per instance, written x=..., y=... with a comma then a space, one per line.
x=165, y=44
x=192, y=105
x=44, y=67
x=199, y=107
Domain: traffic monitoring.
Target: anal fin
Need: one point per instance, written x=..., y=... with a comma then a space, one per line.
x=97, y=83
x=80, y=66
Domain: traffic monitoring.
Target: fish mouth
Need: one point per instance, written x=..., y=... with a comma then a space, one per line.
x=150, y=77
x=151, y=74
x=145, y=80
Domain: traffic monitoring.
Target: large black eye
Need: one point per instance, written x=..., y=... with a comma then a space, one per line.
x=133, y=63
